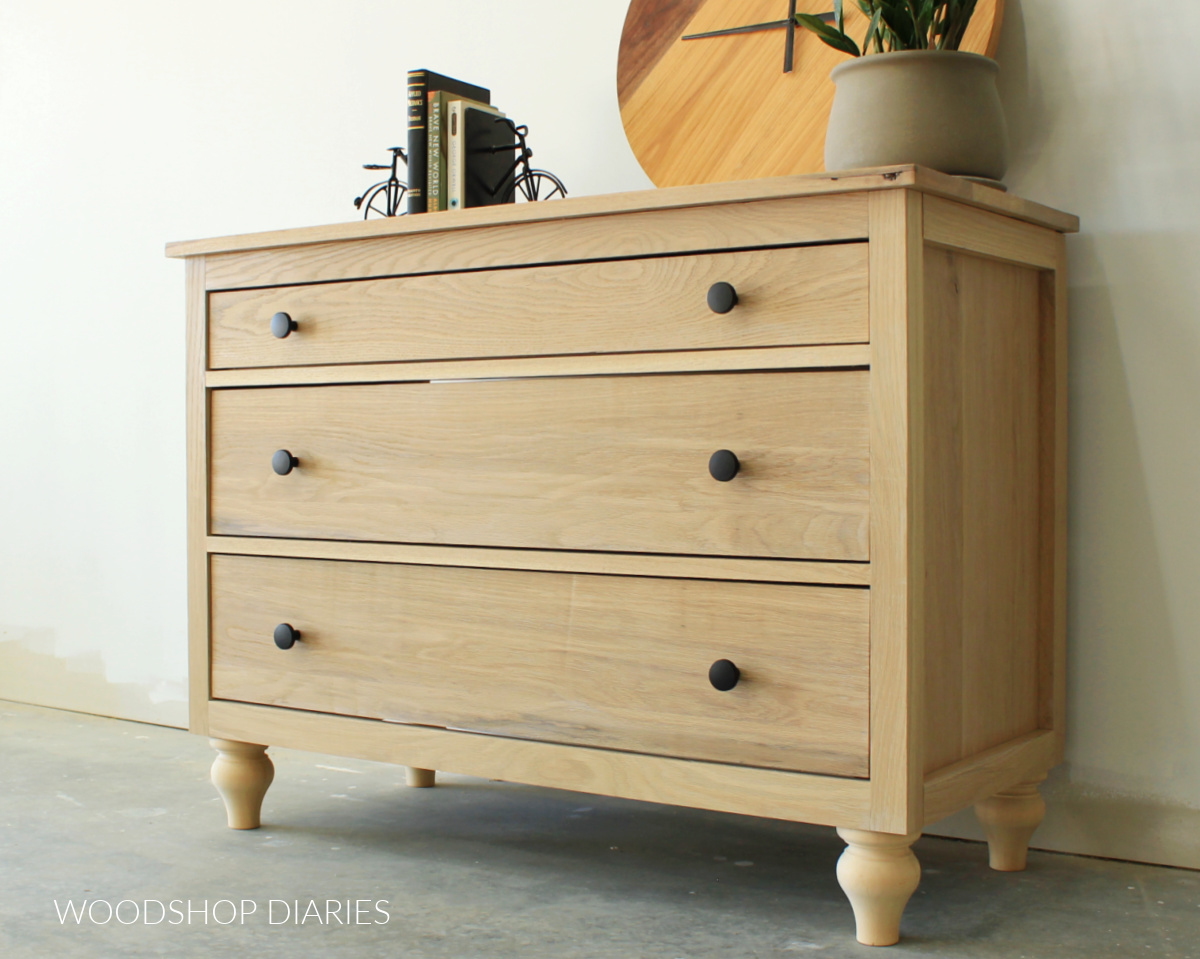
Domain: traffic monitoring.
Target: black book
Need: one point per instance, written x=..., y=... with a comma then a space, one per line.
x=420, y=84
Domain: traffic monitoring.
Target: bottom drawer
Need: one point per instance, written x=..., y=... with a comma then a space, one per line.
x=611, y=661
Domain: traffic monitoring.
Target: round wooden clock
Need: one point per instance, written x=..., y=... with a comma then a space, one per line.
x=715, y=90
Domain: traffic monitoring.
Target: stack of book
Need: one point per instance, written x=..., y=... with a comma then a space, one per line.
x=458, y=154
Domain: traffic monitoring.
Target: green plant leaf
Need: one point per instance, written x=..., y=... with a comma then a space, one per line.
x=957, y=26
x=873, y=34
x=905, y=24
x=835, y=38
x=920, y=27
x=899, y=23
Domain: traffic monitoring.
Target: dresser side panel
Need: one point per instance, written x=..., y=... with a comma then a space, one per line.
x=982, y=482
x=943, y=574
x=1053, y=623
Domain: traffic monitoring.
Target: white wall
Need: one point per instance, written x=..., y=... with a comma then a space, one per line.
x=1103, y=101
x=127, y=124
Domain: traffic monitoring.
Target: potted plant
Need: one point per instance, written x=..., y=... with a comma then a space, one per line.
x=910, y=95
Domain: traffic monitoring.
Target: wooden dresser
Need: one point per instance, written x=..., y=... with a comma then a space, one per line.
x=749, y=497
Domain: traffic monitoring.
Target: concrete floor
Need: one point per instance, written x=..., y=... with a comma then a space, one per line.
x=99, y=809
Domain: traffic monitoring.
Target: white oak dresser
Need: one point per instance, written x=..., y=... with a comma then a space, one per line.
x=749, y=497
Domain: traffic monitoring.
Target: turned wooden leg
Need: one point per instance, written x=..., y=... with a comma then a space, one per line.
x=242, y=772
x=878, y=873
x=420, y=778
x=1009, y=819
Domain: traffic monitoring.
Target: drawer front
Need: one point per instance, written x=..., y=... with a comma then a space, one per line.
x=582, y=463
x=609, y=661
x=807, y=295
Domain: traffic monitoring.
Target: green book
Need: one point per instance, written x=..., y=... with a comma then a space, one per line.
x=437, y=152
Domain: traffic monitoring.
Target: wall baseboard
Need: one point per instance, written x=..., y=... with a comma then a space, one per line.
x=1084, y=822
x=29, y=675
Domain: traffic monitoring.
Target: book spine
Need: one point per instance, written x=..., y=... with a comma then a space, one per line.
x=420, y=84
x=454, y=157
x=436, y=157
x=418, y=140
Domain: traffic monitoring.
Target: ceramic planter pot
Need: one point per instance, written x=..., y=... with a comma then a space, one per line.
x=938, y=108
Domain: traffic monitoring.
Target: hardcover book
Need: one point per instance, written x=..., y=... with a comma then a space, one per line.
x=420, y=84
x=439, y=145
x=480, y=167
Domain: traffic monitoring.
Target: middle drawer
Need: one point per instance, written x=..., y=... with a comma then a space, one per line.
x=582, y=463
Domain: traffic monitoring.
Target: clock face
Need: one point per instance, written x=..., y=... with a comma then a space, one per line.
x=723, y=107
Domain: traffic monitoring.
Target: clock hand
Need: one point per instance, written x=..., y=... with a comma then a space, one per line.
x=789, y=44
x=751, y=28
x=729, y=31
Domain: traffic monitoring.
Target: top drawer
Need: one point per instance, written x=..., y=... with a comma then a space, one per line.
x=785, y=297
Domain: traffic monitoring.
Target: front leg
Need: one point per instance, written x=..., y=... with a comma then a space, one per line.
x=242, y=772
x=1009, y=819
x=878, y=873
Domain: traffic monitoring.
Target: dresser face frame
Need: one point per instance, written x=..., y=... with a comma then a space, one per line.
x=966, y=356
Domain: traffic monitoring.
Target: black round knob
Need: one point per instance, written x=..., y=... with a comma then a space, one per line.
x=722, y=297
x=282, y=324
x=286, y=636
x=723, y=465
x=283, y=462
x=723, y=674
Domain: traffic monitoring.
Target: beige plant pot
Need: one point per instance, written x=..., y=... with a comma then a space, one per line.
x=938, y=108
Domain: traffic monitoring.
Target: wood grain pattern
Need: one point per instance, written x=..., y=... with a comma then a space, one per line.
x=675, y=198
x=586, y=463
x=955, y=423
x=197, y=498
x=1009, y=819
x=242, y=773
x=982, y=483
x=826, y=800
x=957, y=226
x=966, y=782
x=878, y=873
x=651, y=26
x=896, y=308
x=612, y=364
x=1052, y=612
x=722, y=108
x=798, y=296
x=816, y=219
x=588, y=660
x=612, y=564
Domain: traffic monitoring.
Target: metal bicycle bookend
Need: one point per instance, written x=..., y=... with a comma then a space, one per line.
x=386, y=198
x=530, y=184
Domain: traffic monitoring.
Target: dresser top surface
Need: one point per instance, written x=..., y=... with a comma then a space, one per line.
x=739, y=191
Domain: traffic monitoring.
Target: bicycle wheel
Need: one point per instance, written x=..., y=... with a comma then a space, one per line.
x=539, y=185
x=383, y=199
